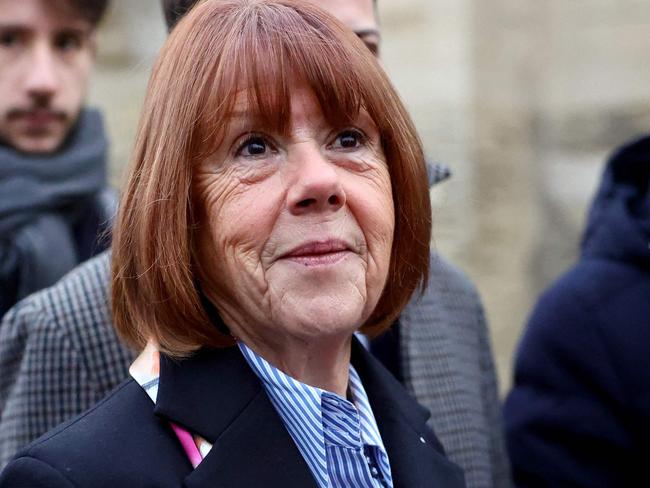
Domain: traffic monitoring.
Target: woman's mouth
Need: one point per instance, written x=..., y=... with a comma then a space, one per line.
x=319, y=253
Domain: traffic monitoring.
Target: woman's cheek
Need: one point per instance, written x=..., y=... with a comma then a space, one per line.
x=375, y=214
x=243, y=223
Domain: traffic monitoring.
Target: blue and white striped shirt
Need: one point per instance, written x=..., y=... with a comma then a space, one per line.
x=338, y=439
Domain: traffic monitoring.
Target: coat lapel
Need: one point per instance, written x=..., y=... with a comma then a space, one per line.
x=216, y=395
x=416, y=456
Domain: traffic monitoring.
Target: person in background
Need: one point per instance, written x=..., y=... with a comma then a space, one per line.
x=579, y=410
x=54, y=200
x=439, y=348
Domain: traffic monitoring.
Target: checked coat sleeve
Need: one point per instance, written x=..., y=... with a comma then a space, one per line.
x=448, y=367
x=58, y=356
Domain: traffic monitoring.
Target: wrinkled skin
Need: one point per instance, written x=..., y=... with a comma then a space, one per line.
x=297, y=235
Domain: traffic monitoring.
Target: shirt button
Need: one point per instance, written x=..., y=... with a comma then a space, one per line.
x=422, y=440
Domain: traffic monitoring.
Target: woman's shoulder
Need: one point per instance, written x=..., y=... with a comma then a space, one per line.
x=119, y=440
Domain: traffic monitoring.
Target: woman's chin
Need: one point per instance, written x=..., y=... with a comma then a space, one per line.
x=322, y=317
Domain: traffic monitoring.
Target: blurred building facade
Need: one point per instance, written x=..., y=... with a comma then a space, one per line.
x=522, y=99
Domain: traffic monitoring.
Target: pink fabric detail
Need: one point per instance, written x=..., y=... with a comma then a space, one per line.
x=189, y=446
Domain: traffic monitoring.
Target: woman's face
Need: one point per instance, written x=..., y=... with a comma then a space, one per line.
x=296, y=230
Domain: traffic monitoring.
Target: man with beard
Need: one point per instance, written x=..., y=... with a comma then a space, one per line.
x=53, y=196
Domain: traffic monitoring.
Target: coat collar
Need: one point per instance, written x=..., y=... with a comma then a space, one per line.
x=215, y=394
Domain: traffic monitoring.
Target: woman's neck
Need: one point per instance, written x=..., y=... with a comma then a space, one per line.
x=323, y=363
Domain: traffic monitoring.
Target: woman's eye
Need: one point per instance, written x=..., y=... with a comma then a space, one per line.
x=254, y=146
x=348, y=139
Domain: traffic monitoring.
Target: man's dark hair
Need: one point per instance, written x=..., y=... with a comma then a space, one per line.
x=175, y=9
x=90, y=10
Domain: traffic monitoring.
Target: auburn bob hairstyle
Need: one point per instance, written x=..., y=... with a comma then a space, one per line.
x=219, y=49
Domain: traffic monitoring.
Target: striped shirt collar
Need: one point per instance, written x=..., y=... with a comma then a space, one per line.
x=322, y=423
x=333, y=435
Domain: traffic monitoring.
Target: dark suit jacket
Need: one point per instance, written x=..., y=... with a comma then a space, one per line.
x=125, y=441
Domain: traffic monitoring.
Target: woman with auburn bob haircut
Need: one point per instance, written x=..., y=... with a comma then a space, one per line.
x=277, y=204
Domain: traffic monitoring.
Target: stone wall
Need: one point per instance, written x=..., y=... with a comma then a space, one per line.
x=529, y=99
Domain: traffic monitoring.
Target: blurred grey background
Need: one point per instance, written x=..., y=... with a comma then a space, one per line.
x=523, y=100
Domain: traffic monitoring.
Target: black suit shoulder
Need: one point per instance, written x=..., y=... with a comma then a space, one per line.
x=118, y=442
x=28, y=472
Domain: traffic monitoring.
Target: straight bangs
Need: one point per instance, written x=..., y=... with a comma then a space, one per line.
x=270, y=47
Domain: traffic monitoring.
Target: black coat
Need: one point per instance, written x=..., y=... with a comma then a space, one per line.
x=125, y=441
x=579, y=412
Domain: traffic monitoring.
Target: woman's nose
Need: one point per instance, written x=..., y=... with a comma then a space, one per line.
x=316, y=185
